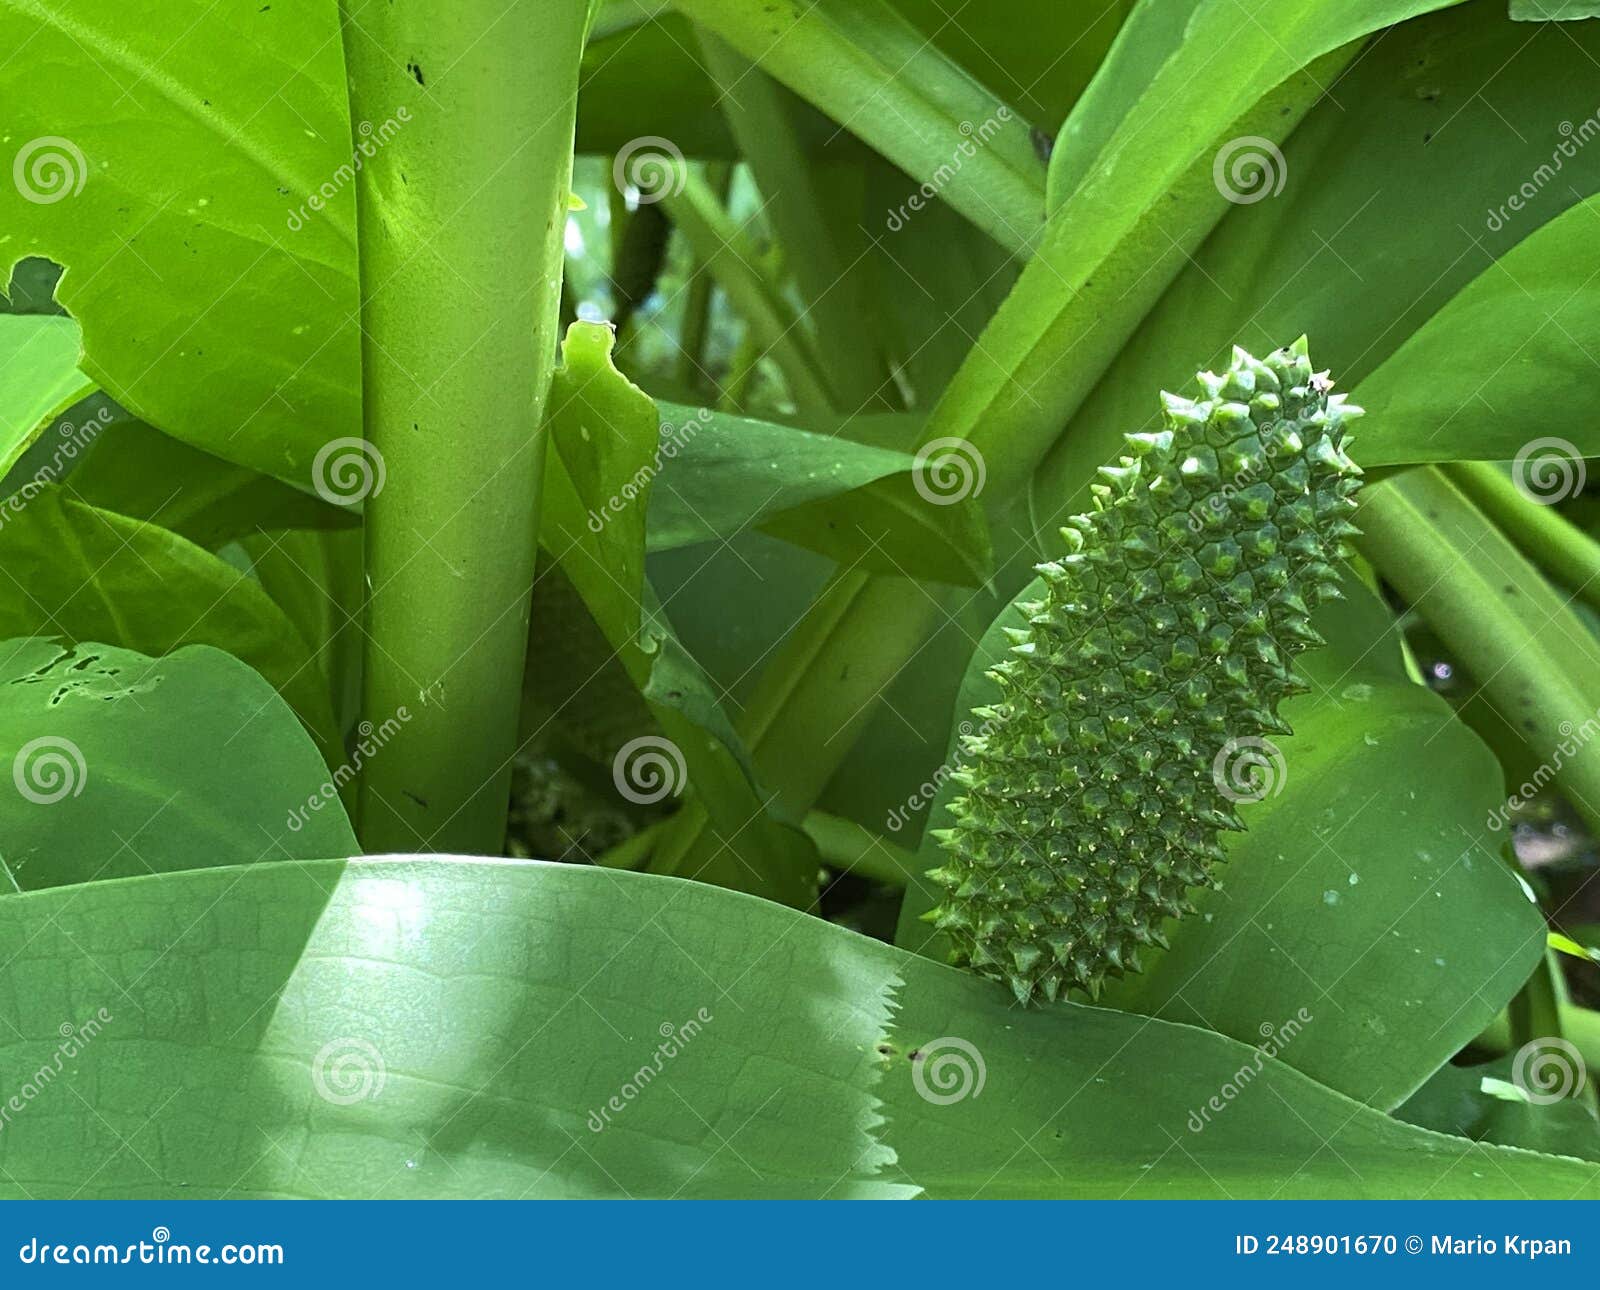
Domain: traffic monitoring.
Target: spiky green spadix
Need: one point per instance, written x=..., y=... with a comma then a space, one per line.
x=1095, y=789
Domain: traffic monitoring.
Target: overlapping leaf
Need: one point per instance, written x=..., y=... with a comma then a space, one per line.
x=193, y=189
x=124, y=765
x=257, y=1032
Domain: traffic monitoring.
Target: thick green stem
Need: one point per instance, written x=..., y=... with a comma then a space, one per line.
x=460, y=215
x=1533, y=659
x=1551, y=541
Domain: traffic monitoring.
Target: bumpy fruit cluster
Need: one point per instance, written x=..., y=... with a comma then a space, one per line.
x=1093, y=799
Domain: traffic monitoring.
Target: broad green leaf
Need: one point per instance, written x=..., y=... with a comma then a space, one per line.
x=198, y=191
x=720, y=474
x=139, y=472
x=869, y=69
x=124, y=765
x=83, y=574
x=39, y=378
x=717, y=474
x=1360, y=256
x=1088, y=1103
x=255, y=1033
x=1345, y=899
x=1508, y=359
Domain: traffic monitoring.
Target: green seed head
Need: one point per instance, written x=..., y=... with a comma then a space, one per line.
x=1098, y=785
